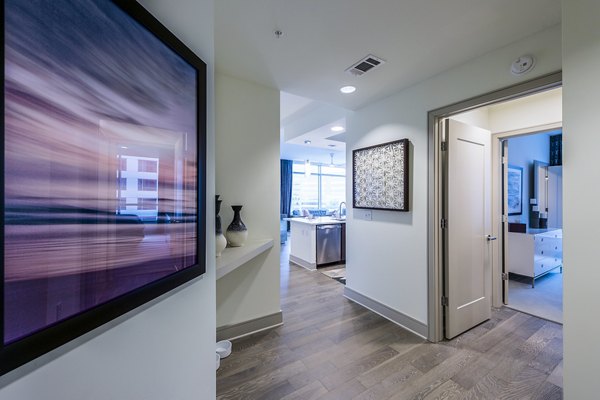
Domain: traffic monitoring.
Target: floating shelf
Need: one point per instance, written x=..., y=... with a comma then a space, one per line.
x=235, y=257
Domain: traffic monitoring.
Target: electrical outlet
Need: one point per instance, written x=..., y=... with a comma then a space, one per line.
x=363, y=214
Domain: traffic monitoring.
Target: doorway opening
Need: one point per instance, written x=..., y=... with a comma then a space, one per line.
x=451, y=295
x=313, y=187
x=533, y=244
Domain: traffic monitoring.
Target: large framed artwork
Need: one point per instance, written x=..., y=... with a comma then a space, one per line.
x=515, y=190
x=380, y=176
x=104, y=148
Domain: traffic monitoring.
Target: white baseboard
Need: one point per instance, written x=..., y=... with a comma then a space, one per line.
x=302, y=263
x=409, y=323
x=235, y=331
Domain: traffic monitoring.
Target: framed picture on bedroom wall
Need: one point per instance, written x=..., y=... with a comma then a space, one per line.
x=515, y=190
x=380, y=176
x=104, y=132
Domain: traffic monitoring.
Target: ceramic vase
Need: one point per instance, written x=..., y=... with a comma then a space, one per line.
x=220, y=241
x=236, y=231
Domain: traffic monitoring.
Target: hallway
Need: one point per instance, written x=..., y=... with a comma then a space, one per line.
x=332, y=348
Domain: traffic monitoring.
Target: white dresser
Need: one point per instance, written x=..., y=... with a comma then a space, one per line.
x=534, y=253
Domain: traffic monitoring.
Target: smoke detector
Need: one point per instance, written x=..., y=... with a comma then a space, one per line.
x=522, y=65
x=366, y=64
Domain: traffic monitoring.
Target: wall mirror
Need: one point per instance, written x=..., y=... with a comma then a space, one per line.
x=540, y=184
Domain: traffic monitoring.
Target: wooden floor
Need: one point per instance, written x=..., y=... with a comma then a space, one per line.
x=332, y=348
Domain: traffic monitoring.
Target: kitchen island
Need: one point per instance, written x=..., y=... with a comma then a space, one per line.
x=317, y=241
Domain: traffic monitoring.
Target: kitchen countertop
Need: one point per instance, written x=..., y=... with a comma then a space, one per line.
x=316, y=221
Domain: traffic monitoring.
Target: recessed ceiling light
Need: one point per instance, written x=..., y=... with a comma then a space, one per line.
x=124, y=147
x=307, y=142
x=347, y=89
x=337, y=128
x=331, y=145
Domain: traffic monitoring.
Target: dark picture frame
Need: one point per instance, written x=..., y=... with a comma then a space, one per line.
x=380, y=176
x=111, y=91
x=515, y=190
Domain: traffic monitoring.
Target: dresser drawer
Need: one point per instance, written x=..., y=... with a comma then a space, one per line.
x=542, y=265
x=540, y=240
x=546, y=246
x=548, y=250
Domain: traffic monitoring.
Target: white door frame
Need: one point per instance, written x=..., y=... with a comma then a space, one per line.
x=435, y=191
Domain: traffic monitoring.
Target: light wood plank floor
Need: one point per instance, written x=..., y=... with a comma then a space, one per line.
x=332, y=348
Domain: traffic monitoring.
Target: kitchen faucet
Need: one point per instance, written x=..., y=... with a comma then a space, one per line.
x=340, y=209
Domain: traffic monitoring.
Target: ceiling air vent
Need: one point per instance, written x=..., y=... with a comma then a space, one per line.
x=365, y=65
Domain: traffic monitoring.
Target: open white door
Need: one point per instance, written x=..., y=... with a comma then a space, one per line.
x=467, y=247
x=505, y=249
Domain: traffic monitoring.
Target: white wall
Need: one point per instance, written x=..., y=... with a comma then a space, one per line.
x=522, y=151
x=528, y=112
x=387, y=257
x=165, y=350
x=581, y=224
x=247, y=173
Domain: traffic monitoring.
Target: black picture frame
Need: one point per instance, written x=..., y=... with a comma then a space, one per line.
x=380, y=176
x=189, y=221
x=515, y=190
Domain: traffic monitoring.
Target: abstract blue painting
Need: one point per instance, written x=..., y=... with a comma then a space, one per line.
x=515, y=190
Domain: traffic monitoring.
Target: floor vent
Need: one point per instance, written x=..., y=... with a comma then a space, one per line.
x=366, y=64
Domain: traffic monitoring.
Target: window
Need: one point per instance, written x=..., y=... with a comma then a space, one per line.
x=143, y=173
x=323, y=189
x=147, y=185
x=147, y=204
x=147, y=166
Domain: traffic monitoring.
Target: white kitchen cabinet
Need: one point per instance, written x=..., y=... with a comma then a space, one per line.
x=534, y=253
x=303, y=245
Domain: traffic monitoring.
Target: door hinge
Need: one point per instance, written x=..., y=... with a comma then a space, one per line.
x=504, y=276
x=444, y=146
x=504, y=160
x=504, y=218
x=444, y=301
x=443, y=223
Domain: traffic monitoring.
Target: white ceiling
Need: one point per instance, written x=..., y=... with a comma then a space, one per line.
x=290, y=104
x=321, y=38
x=305, y=120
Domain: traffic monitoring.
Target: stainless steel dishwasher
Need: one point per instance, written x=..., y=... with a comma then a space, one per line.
x=329, y=243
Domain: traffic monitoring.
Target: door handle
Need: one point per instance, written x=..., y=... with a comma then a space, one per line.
x=490, y=238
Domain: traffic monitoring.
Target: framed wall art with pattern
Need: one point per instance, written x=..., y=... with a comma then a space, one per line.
x=380, y=176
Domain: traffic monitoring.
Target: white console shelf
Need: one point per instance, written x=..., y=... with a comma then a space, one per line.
x=234, y=257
